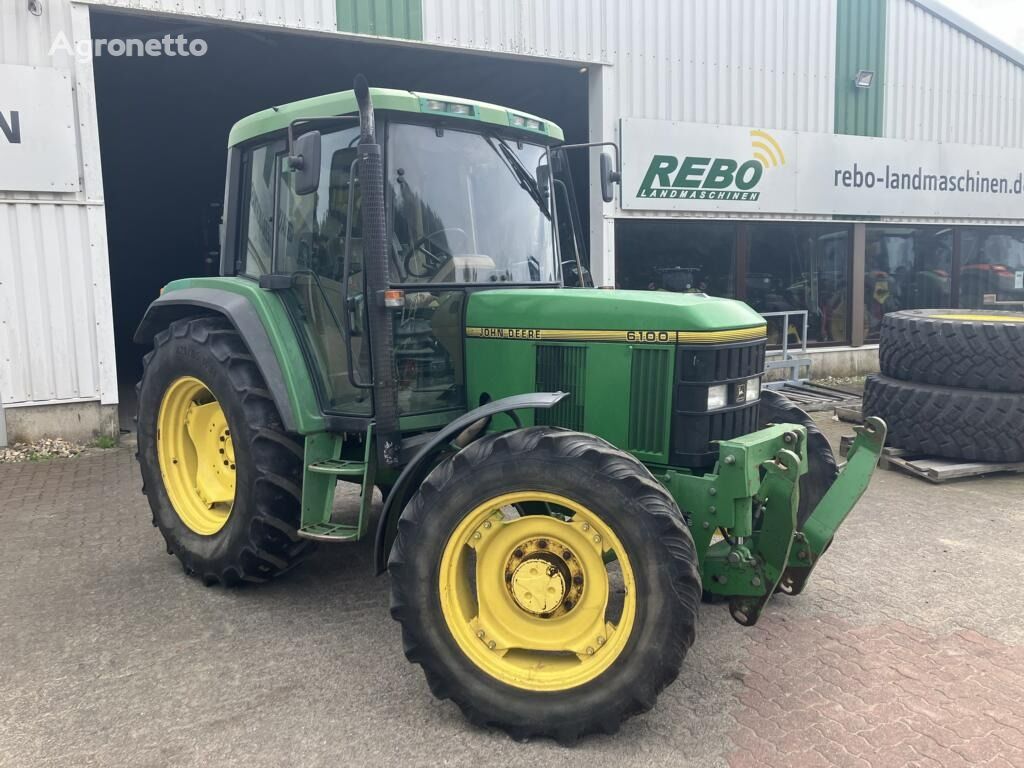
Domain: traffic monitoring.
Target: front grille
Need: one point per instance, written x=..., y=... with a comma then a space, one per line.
x=562, y=368
x=649, y=400
x=694, y=428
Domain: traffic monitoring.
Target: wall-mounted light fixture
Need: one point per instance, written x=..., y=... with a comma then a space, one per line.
x=864, y=78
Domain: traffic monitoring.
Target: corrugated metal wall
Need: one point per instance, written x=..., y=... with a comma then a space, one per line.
x=943, y=85
x=56, y=327
x=300, y=14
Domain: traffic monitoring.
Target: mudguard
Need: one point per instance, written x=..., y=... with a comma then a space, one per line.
x=419, y=467
x=178, y=304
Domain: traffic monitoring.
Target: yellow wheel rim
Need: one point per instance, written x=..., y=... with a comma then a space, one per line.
x=197, y=458
x=540, y=602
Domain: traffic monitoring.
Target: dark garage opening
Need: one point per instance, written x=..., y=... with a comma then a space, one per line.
x=164, y=124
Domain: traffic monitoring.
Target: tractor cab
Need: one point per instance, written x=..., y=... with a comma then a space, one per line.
x=469, y=204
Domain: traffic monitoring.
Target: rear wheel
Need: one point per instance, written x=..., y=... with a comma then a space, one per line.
x=222, y=476
x=546, y=583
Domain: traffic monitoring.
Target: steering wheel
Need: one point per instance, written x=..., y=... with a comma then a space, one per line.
x=435, y=257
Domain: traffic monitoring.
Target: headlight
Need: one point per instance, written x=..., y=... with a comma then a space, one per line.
x=718, y=397
x=753, y=389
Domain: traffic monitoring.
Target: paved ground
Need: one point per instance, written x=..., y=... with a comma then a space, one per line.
x=906, y=649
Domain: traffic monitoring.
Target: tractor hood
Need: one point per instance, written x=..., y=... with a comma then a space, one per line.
x=599, y=315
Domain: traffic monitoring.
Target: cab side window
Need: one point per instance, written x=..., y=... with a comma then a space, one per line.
x=258, y=230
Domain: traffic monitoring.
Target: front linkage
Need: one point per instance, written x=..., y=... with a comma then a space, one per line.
x=744, y=521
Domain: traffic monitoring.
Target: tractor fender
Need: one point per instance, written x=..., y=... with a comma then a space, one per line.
x=419, y=467
x=179, y=304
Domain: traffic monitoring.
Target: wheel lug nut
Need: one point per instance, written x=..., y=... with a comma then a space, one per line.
x=567, y=555
x=568, y=604
x=491, y=644
x=577, y=580
x=600, y=640
x=586, y=526
x=480, y=634
x=543, y=544
x=518, y=552
x=590, y=650
x=596, y=538
x=476, y=535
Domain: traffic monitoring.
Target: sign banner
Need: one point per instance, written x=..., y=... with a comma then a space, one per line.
x=670, y=166
x=38, y=144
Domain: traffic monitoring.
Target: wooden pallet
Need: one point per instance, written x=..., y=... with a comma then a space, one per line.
x=933, y=469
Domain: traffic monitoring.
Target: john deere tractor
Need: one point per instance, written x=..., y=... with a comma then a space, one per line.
x=566, y=472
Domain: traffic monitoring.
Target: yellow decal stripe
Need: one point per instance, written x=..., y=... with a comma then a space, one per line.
x=982, y=318
x=629, y=337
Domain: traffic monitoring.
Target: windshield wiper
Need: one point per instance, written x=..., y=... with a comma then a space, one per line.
x=519, y=171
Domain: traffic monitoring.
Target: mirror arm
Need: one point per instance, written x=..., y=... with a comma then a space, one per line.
x=312, y=123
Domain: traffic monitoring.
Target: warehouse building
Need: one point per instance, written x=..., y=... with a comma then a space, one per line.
x=840, y=157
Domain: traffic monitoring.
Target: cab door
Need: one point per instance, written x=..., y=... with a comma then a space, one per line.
x=310, y=233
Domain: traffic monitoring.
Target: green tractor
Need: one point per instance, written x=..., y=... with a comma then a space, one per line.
x=566, y=472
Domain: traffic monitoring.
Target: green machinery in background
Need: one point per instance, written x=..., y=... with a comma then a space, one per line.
x=566, y=472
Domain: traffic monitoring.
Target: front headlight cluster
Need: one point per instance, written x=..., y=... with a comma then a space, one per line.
x=723, y=395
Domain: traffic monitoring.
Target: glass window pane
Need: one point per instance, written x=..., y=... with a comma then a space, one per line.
x=992, y=263
x=905, y=268
x=801, y=267
x=680, y=256
x=428, y=351
x=259, y=227
x=465, y=209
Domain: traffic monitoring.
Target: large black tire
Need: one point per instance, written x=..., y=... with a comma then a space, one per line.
x=259, y=540
x=642, y=515
x=973, y=349
x=942, y=421
x=822, y=469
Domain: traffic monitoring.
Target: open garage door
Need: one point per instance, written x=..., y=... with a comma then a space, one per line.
x=164, y=124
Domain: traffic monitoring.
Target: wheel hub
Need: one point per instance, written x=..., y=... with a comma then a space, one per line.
x=543, y=577
x=537, y=586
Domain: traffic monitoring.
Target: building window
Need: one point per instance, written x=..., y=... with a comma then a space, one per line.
x=797, y=267
x=679, y=256
x=905, y=268
x=992, y=263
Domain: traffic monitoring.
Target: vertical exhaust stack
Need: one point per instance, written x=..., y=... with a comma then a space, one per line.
x=378, y=280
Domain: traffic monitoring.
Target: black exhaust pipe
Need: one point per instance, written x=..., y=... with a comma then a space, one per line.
x=378, y=280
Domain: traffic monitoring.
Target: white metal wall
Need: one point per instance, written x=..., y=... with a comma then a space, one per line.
x=943, y=85
x=299, y=14
x=56, y=326
x=576, y=30
x=744, y=62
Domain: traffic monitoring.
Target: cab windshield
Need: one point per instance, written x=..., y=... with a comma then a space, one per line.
x=465, y=208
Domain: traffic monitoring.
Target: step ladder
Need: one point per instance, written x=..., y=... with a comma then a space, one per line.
x=319, y=483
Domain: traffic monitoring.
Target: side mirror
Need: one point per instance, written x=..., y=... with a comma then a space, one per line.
x=609, y=176
x=544, y=180
x=305, y=163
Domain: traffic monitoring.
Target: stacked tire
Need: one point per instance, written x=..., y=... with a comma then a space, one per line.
x=951, y=383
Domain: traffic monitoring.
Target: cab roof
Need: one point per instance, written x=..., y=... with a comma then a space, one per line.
x=344, y=102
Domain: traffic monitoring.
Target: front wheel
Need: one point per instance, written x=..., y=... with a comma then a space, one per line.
x=546, y=583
